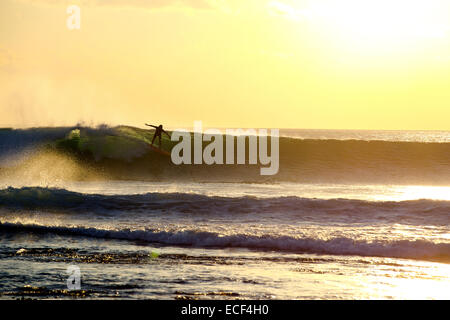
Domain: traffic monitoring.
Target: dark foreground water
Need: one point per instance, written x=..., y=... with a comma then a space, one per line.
x=225, y=241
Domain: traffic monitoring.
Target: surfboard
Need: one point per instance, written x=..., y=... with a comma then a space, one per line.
x=160, y=151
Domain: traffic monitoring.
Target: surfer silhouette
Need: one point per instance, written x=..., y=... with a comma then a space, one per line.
x=158, y=131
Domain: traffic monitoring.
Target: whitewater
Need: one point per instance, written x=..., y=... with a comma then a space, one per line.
x=351, y=214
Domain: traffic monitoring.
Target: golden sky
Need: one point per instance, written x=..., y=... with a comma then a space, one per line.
x=348, y=64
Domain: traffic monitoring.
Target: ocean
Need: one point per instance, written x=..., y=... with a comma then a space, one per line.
x=350, y=215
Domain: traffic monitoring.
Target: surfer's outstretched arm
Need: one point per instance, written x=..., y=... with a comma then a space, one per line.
x=151, y=126
x=166, y=133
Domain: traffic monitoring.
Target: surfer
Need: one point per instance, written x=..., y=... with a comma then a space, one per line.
x=158, y=131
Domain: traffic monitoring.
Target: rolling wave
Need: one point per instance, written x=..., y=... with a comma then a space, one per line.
x=61, y=200
x=123, y=153
x=408, y=249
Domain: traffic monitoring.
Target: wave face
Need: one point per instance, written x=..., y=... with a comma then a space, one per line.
x=411, y=249
x=123, y=153
x=433, y=212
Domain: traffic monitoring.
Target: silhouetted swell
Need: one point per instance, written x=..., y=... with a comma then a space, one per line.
x=432, y=212
x=123, y=153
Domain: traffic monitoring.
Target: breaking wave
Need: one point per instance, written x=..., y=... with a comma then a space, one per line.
x=123, y=153
x=408, y=249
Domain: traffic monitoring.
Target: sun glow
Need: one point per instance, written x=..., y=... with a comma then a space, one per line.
x=418, y=280
x=382, y=26
x=385, y=18
x=424, y=192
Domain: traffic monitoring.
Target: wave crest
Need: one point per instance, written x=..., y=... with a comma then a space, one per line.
x=61, y=200
x=123, y=153
x=408, y=249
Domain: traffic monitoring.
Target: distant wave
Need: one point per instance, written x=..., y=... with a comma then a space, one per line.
x=60, y=200
x=412, y=249
x=123, y=153
x=369, y=135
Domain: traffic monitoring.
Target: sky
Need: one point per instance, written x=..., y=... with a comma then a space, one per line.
x=325, y=64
